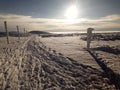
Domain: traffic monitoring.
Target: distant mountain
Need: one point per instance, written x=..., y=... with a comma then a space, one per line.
x=39, y=32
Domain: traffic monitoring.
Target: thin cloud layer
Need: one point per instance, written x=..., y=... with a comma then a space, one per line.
x=107, y=22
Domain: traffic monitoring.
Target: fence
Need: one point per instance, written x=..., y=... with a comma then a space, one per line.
x=17, y=33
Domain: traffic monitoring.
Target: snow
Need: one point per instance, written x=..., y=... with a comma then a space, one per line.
x=59, y=63
x=72, y=47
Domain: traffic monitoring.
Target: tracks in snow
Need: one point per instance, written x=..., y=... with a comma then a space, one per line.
x=36, y=67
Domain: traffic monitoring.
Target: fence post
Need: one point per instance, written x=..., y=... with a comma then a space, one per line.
x=24, y=32
x=7, y=34
x=89, y=37
x=18, y=32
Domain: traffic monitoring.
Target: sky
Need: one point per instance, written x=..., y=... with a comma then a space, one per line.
x=49, y=15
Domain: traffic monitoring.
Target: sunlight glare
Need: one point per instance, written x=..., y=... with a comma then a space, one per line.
x=72, y=12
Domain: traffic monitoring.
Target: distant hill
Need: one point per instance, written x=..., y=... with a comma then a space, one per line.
x=2, y=34
x=39, y=32
x=11, y=33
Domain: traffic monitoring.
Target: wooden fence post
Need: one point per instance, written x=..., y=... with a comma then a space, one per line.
x=24, y=32
x=7, y=34
x=18, y=32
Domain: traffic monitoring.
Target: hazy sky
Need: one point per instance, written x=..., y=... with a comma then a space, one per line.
x=50, y=14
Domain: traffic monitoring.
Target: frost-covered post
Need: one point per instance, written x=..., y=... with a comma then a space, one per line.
x=89, y=37
x=18, y=32
x=7, y=34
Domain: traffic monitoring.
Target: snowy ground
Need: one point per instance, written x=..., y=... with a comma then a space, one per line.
x=49, y=64
x=72, y=47
x=112, y=60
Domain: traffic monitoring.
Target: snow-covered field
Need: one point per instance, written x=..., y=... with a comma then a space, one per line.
x=112, y=60
x=59, y=63
x=72, y=47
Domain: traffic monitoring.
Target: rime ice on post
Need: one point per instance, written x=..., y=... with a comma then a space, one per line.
x=7, y=34
x=89, y=37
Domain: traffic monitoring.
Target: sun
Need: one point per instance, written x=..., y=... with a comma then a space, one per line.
x=72, y=12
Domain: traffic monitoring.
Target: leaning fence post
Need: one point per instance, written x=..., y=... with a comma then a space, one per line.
x=7, y=34
x=18, y=32
x=89, y=37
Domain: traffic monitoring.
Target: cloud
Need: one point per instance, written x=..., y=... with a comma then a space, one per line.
x=111, y=18
x=107, y=22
